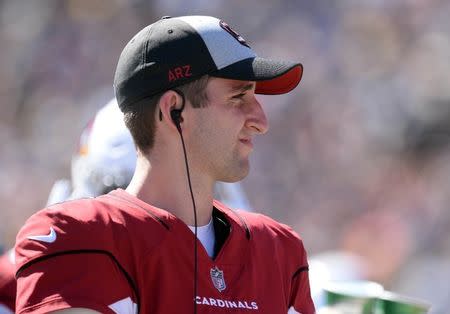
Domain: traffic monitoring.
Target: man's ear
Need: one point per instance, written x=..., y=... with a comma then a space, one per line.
x=170, y=103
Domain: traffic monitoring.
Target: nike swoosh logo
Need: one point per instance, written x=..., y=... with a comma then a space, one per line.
x=49, y=238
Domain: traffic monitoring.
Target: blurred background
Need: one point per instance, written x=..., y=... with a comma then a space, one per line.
x=357, y=159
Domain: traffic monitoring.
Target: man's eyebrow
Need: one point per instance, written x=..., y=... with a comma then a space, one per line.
x=243, y=87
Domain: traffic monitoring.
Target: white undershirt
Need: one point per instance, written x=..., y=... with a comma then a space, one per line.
x=206, y=236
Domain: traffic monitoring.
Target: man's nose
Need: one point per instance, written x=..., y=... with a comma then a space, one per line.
x=257, y=120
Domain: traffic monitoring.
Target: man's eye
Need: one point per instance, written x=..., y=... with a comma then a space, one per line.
x=238, y=96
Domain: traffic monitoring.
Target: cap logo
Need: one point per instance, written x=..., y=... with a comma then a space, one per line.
x=233, y=33
x=177, y=73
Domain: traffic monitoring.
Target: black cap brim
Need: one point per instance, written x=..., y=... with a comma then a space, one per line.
x=272, y=77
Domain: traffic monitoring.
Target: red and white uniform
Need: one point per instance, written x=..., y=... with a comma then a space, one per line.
x=118, y=254
x=7, y=283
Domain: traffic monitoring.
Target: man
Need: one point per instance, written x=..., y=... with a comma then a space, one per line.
x=105, y=159
x=187, y=88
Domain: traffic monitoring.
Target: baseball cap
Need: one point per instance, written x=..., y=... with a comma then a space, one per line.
x=177, y=50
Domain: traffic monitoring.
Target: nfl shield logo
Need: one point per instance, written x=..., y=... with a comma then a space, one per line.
x=217, y=279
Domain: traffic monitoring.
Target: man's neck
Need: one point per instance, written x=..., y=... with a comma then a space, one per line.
x=168, y=188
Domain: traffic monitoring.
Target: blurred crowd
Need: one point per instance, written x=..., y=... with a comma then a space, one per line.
x=357, y=159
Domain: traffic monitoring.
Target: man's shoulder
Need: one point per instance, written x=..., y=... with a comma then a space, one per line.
x=100, y=211
x=83, y=208
x=67, y=226
x=73, y=214
x=265, y=228
x=264, y=223
x=99, y=224
x=275, y=240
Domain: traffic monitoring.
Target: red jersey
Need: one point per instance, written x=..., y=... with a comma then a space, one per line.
x=118, y=254
x=7, y=283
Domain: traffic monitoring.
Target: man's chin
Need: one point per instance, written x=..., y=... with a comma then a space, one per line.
x=235, y=177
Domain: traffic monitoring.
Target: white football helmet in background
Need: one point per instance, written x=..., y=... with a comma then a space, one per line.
x=106, y=157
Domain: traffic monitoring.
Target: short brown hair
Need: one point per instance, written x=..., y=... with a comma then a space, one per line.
x=141, y=118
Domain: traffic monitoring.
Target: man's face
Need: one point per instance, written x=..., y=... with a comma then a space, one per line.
x=222, y=131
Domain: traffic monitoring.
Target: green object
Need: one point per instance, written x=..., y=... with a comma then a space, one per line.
x=394, y=303
x=353, y=297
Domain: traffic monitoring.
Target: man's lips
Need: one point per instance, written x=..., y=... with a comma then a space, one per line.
x=246, y=142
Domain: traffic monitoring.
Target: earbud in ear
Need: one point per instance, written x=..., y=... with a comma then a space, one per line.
x=175, y=114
